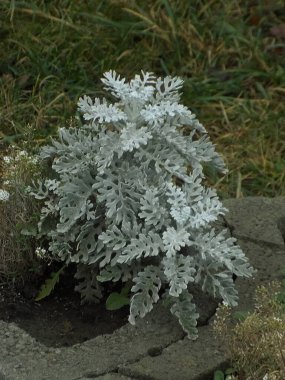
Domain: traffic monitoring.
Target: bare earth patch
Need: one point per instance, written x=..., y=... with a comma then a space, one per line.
x=58, y=320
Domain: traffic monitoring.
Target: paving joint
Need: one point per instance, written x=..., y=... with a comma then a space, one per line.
x=259, y=242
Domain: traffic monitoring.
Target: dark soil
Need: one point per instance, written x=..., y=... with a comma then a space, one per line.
x=59, y=319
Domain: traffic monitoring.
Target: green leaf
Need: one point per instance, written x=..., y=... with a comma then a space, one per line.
x=49, y=285
x=219, y=375
x=116, y=301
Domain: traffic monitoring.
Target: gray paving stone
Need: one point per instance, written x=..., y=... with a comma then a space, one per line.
x=257, y=218
x=99, y=355
x=183, y=360
x=270, y=265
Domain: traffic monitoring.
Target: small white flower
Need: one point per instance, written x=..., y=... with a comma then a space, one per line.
x=4, y=195
x=7, y=159
x=40, y=252
x=22, y=153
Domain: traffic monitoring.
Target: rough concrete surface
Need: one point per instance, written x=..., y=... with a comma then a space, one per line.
x=257, y=219
x=156, y=348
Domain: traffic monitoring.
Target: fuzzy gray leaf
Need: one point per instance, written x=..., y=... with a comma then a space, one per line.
x=147, y=285
x=185, y=311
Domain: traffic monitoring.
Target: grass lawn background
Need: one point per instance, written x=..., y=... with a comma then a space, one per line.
x=231, y=55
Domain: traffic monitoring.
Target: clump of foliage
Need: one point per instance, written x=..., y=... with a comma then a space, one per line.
x=256, y=344
x=127, y=202
x=18, y=213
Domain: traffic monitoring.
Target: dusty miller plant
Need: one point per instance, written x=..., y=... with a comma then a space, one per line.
x=127, y=200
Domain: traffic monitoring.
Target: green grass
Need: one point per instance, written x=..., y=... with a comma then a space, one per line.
x=233, y=66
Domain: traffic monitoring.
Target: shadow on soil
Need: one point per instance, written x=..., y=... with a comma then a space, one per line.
x=59, y=319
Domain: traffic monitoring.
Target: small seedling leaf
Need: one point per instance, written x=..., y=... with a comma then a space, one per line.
x=49, y=285
x=219, y=375
x=116, y=301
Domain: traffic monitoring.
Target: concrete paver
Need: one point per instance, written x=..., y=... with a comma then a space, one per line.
x=156, y=348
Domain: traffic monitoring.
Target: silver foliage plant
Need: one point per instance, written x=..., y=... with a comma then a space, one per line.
x=127, y=200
